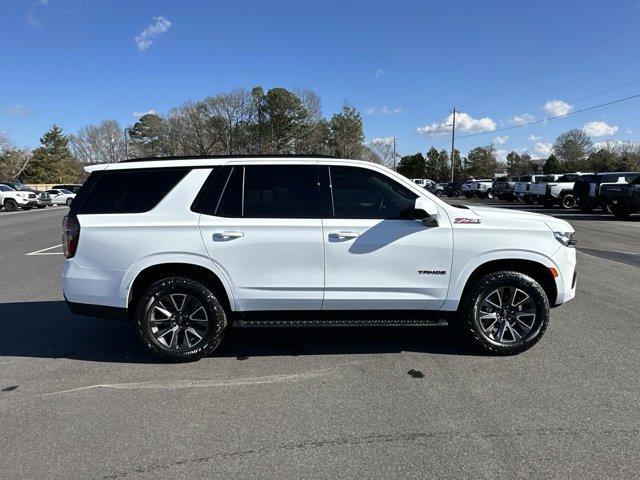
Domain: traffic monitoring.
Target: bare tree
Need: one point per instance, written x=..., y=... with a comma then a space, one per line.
x=230, y=115
x=13, y=161
x=103, y=143
x=383, y=148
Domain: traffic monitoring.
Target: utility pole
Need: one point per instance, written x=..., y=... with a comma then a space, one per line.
x=453, y=143
x=394, y=153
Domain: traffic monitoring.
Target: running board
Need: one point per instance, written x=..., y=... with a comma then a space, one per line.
x=335, y=322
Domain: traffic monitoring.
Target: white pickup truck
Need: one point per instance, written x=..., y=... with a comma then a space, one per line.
x=558, y=191
x=538, y=189
x=11, y=200
x=521, y=188
x=482, y=188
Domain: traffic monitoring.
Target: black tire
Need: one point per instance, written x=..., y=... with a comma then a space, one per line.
x=10, y=205
x=471, y=304
x=490, y=194
x=568, y=201
x=528, y=200
x=457, y=193
x=438, y=193
x=216, y=320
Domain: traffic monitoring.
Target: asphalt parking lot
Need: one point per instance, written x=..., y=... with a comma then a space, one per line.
x=81, y=399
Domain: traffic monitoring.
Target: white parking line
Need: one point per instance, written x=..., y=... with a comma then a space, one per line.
x=30, y=212
x=44, y=251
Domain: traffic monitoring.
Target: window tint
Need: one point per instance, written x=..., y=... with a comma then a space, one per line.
x=4, y=188
x=364, y=193
x=207, y=199
x=568, y=178
x=280, y=191
x=128, y=191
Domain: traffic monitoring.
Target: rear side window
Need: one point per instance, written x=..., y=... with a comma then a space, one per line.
x=127, y=191
x=363, y=193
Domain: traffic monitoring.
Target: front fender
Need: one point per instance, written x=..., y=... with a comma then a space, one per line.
x=459, y=280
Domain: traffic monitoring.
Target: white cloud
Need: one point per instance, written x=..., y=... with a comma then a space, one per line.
x=381, y=72
x=501, y=140
x=501, y=155
x=522, y=119
x=142, y=114
x=382, y=141
x=386, y=110
x=543, y=148
x=533, y=138
x=18, y=111
x=33, y=13
x=557, y=107
x=464, y=123
x=159, y=26
x=599, y=129
x=629, y=131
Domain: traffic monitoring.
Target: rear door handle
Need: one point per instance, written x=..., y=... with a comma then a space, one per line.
x=227, y=235
x=343, y=235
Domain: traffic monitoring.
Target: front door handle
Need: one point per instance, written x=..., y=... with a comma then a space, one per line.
x=227, y=235
x=343, y=235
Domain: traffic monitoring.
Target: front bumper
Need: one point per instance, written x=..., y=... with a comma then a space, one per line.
x=566, y=281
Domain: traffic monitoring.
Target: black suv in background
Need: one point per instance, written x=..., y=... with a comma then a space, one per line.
x=622, y=200
x=503, y=188
x=588, y=188
x=453, y=189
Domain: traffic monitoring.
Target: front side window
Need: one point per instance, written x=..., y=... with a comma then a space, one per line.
x=367, y=194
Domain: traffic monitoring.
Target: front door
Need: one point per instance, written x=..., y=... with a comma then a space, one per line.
x=377, y=255
x=265, y=234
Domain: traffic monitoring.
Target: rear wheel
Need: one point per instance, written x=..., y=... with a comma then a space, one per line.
x=456, y=193
x=490, y=195
x=180, y=319
x=505, y=313
x=568, y=201
x=621, y=213
x=438, y=193
x=10, y=205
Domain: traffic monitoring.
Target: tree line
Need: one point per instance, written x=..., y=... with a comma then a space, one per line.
x=572, y=151
x=241, y=121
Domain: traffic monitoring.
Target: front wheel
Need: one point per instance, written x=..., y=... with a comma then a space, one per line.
x=505, y=313
x=457, y=193
x=439, y=193
x=181, y=320
x=490, y=194
x=10, y=205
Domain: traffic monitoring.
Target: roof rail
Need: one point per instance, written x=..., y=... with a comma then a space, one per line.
x=213, y=157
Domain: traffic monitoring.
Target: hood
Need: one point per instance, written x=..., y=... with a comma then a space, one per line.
x=553, y=223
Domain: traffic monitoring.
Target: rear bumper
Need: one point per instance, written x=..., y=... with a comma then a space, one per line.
x=98, y=311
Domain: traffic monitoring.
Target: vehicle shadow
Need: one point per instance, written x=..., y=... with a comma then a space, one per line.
x=49, y=330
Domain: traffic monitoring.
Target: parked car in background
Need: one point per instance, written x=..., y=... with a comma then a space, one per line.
x=43, y=199
x=622, y=199
x=307, y=242
x=61, y=196
x=11, y=199
x=72, y=187
x=538, y=188
x=587, y=188
x=467, y=188
x=423, y=182
x=503, y=188
x=522, y=186
x=559, y=191
x=453, y=189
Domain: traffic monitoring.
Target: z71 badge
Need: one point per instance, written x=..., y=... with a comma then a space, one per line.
x=466, y=220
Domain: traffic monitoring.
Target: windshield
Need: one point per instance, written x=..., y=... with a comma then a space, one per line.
x=6, y=188
x=568, y=178
x=64, y=192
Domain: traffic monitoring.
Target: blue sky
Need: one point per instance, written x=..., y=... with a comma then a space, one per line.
x=403, y=64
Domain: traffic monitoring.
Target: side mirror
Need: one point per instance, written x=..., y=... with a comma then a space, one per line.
x=426, y=212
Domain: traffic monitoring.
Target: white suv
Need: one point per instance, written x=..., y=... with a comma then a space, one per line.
x=186, y=247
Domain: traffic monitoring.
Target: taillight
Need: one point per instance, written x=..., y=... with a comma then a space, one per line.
x=70, y=235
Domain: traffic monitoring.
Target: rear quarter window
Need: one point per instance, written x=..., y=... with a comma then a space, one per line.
x=126, y=191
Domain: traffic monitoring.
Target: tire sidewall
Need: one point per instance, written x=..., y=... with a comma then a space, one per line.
x=492, y=281
x=214, y=309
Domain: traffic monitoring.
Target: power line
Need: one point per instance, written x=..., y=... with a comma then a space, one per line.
x=561, y=62
x=556, y=117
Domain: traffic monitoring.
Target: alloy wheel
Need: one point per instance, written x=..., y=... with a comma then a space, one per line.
x=178, y=321
x=507, y=316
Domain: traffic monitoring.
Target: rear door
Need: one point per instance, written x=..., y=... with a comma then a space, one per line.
x=377, y=256
x=265, y=234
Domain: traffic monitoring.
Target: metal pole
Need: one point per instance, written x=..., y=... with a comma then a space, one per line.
x=394, y=153
x=453, y=143
x=126, y=145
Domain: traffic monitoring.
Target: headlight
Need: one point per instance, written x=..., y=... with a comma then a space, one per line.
x=566, y=238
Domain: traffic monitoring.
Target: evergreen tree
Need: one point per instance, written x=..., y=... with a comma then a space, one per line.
x=347, y=135
x=412, y=166
x=552, y=165
x=52, y=161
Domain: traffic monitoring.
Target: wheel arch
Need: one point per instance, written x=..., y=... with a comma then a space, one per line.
x=152, y=273
x=535, y=270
